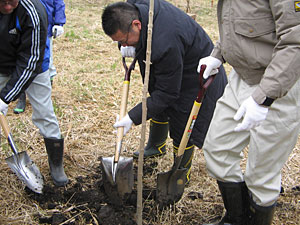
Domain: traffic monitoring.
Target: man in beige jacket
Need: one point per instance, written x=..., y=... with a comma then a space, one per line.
x=260, y=107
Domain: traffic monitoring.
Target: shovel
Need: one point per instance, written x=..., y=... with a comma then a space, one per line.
x=170, y=185
x=117, y=170
x=21, y=164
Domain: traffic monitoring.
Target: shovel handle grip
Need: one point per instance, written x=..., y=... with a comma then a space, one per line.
x=4, y=125
x=128, y=70
x=203, y=87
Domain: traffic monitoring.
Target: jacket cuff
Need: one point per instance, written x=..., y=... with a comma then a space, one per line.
x=4, y=100
x=260, y=97
x=136, y=121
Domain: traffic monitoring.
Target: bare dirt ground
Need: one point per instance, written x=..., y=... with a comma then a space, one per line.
x=86, y=97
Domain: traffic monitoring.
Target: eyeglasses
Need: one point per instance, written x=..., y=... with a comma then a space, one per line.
x=124, y=42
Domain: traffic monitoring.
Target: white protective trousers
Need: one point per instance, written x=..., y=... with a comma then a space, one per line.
x=39, y=95
x=269, y=145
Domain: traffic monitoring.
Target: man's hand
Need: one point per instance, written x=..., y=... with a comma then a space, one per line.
x=212, y=65
x=57, y=30
x=128, y=51
x=253, y=113
x=3, y=107
x=125, y=122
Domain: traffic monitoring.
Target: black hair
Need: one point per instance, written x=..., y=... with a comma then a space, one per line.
x=118, y=16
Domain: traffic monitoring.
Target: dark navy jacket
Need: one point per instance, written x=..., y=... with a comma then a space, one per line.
x=23, y=35
x=178, y=43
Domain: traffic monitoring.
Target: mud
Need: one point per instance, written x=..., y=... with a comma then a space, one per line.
x=85, y=202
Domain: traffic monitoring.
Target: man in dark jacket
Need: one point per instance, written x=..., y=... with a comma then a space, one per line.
x=24, y=66
x=178, y=43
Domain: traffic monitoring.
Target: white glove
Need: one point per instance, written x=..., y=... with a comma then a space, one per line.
x=57, y=30
x=3, y=107
x=212, y=65
x=125, y=122
x=128, y=51
x=253, y=113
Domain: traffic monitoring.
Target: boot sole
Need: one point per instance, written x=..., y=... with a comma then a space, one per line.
x=60, y=184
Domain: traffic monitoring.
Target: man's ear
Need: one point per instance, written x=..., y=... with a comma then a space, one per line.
x=137, y=23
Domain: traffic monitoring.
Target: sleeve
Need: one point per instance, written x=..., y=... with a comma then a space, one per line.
x=29, y=56
x=165, y=82
x=216, y=52
x=59, y=12
x=282, y=71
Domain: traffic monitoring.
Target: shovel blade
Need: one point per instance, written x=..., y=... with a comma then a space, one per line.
x=26, y=170
x=120, y=189
x=107, y=164
x=170, y=186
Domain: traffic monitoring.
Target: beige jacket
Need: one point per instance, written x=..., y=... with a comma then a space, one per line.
x=260, y=39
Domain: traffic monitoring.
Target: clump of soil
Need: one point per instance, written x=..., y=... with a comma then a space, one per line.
x=85, y=200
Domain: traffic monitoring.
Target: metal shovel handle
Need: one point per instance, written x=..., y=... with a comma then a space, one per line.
x=5, y=127
x=124, y=100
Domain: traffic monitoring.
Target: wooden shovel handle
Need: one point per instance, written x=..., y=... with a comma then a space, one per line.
x=124, y=100
x=189, y=127
x=120, y=130
x=4, y=125
x=195, y=110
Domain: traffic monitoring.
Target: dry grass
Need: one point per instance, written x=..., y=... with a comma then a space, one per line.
x=86, y=96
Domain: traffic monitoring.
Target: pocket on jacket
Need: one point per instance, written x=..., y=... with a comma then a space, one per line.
x=254, y=27
x=256, y=39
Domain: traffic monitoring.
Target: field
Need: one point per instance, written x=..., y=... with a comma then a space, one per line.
x=86, y=97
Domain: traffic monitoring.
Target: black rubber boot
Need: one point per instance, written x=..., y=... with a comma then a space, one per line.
x=156, y=145
x=51, y=80
x=236, y=202
x=55, y=150
x=21, y=105
x=186, y=161
x=259, y=215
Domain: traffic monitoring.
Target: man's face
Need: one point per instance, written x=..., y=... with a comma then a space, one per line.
x=8, y=6
x=131, y=37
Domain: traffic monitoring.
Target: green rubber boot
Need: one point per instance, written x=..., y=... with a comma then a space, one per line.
x=21, y=105
x=156, y=145
x=186, y=161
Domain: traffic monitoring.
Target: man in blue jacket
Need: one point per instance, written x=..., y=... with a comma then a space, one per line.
x=24, y=66
x=178, y=43
x=56, y=19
